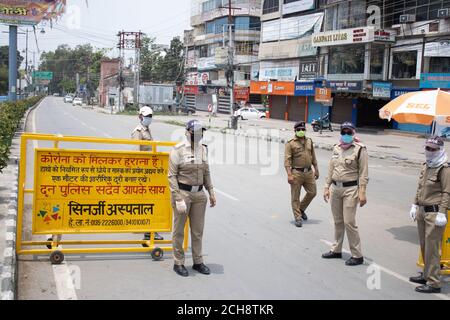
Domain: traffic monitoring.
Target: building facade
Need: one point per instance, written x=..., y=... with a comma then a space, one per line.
x=209, y=51
x=366, y=52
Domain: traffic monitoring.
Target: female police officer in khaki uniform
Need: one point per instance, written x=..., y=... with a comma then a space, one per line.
x=348, y=178
x=430, y=211
x=188, y=176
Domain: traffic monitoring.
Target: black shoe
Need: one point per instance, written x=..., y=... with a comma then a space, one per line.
x=157, y=236
x=201, y=268
x=332, y=255
x=298, y=223
x=180, y=270
x=419, y=279
x=354, y=261
x=304, y=216
x=428, y=289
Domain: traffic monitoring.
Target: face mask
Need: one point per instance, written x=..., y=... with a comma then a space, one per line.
x=300, y=134
x=146, y=121
x=435, y=158
x=196, y=137
x=346, y=138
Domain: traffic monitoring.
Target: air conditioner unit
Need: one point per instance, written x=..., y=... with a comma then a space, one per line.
x=407, y=18
x=443, y=13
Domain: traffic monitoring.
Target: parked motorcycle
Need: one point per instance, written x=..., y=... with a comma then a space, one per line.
x=322, y=124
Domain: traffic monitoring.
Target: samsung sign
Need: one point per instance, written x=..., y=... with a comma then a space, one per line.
x=304, y=88
x=298, y=6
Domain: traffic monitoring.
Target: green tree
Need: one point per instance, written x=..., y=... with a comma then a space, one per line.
x=4, y=66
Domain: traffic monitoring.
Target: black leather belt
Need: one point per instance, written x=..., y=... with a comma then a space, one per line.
x=345, y=184
x=304, y=170
x=429, y=209
x=189, y=188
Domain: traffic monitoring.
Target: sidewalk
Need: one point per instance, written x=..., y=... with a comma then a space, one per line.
x=401, y=147
x=404, y=148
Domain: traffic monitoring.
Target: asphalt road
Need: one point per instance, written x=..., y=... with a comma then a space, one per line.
x=250, y=241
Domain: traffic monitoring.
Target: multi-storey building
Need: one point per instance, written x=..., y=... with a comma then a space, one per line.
x=207, y=48
x=367, y=51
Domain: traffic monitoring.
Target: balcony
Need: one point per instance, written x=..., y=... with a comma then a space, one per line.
x=253, y=8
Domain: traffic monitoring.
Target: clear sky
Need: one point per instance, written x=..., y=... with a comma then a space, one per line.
x=98, y=23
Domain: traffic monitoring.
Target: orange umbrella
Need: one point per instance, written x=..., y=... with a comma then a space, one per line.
x=421, y=107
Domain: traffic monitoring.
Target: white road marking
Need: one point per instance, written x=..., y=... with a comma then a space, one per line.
x=226, y=195
x=64, y=282
x=390, y=272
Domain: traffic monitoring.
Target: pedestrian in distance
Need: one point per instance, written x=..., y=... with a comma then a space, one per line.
x=348, y=176
x=430, y=208
x=302, y=170
x=143, y=132
x=189, y=174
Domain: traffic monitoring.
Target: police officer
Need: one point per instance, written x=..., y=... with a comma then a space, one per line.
x=346, y=186
x=430, y=211
x=188, y=175
x=143, y=132
x=299, y=160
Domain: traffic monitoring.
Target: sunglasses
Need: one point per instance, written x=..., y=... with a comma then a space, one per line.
x=350, y=133
x=431, y=149
x=300, y=129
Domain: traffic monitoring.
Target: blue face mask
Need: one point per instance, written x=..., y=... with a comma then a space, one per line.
x=146, y=121
x=346, y=138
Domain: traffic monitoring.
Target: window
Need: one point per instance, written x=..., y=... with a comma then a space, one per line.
x=440, y=65
x=345, y=15
x=404, y=65
x=271, y=6
x=203, y=51
x=422, y=9
x=376, y=59
x=244, y=48
x=217, y=26
x=346, y=59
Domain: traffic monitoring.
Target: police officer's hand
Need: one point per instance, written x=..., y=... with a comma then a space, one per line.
x=212, y=201
x=362, y=199
x=317, y=175
x=181, y=206
x=290, y=179
x=326, y=195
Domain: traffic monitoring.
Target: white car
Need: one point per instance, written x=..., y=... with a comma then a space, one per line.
x=77, y=102
x=247, y=113
x=68, y=99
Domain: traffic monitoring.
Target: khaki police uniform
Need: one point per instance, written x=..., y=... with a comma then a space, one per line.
x=300, y=157
x=433, y=196
x=347, y=176
x=189, y=167
x=142, y=133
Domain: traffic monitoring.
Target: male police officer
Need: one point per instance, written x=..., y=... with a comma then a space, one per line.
x=348, y=178
x=143, y=132
x=299, y=160
x=188, y=175
x=430, y=211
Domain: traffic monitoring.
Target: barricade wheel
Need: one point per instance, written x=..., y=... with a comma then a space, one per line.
x=49, y=246
x=57, y=257
x=157, y=254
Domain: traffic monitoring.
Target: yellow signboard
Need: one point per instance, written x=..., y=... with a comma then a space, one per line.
x=83, y=191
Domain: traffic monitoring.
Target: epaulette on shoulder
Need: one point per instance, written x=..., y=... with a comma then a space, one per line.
x=360, y=144
x=291, y=140
x=179, y=145
x=205, y=145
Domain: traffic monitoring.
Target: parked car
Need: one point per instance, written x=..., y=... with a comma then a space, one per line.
x=77, y=102
x=249, y=113
x=68, y=99
x=56, y=94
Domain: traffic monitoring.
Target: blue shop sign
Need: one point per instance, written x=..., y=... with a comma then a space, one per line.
x=345, y=86
x=397, y=92
x=382, y=89
x=435, y=80
x=304, y=88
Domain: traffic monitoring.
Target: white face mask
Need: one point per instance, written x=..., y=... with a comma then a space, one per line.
x=436, y=158
x=146, y=121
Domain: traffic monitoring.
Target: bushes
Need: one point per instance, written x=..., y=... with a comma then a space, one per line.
x=10, y=115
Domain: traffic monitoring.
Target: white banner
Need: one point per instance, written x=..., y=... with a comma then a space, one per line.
x=437, y=49
x=298, y=6
x=291, y=28
x=344, y=36
x=197, y=78
x=279, y=70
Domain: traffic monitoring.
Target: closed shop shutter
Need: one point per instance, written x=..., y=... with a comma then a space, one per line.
x=190, y=100
x=298, y=109
x=316, y=110
x=341, y=110
x=279, y=107
x=203, y=100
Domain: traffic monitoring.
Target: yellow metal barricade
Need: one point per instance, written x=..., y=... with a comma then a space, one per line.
x=95, y=192
x=445, y=252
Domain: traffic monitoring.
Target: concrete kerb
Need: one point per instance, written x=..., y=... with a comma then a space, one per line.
x=8, y=276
